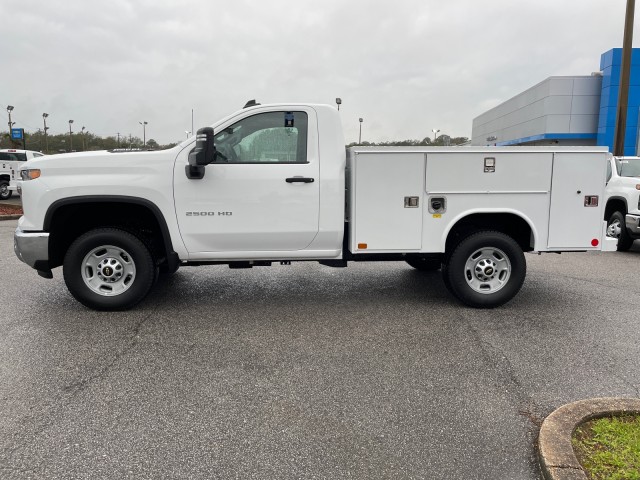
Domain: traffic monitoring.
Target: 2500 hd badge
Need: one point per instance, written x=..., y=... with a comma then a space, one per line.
x=209, y=214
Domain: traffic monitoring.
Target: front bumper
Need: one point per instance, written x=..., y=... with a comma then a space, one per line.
x=32, y=248
x=633, y=224
x=609, y=244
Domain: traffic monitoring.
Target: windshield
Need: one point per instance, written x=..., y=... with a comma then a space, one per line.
x=628, y=167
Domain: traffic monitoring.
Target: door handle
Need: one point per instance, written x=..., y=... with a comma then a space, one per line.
x=300, y=180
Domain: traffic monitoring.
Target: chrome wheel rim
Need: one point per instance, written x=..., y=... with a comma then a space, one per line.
x=487, y=270
x=4, y=190
x=108, y=270
x=614, y=229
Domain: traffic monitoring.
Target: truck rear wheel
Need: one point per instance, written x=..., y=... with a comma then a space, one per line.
x=5, y=193
x=617, y=228
x=108, y=269
x=486, y=269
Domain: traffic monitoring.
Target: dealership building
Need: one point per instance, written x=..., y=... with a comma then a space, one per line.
x=576, y=110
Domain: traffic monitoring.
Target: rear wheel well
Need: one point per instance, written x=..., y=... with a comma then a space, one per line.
x=70, y=221
x=5, y=177
x=508, y=223
x=615, y=205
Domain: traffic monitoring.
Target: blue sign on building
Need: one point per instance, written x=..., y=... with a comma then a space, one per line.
x=17, y=133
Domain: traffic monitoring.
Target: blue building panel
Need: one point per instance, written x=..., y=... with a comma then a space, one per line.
x=610, y=65
x=606, y=59
x=608, y=97
x=613, y=75
x=548, y=136
x=607, y=117
x=606, y=78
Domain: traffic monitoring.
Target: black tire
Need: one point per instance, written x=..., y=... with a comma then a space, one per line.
x=624, y=240
x=5, y=193
x=445, y=278
x=425, y=264
x=124, y=253
x=486, y=269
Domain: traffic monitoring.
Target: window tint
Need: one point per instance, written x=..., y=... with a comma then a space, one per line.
x=274, y=137
x=13, y=156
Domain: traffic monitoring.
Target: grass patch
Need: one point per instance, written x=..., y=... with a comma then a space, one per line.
x=609, y=448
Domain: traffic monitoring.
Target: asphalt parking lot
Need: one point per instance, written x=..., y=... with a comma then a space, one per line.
x=306, y=371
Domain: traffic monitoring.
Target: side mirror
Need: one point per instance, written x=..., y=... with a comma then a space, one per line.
x=203, y=154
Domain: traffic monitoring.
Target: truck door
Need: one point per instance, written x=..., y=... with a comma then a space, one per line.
x=261, y=194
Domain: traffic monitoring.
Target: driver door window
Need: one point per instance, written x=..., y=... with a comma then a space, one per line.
x=274, y=137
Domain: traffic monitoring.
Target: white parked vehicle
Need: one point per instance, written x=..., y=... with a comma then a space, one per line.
x=10, y=162
x=622, y=197
x=273, y=183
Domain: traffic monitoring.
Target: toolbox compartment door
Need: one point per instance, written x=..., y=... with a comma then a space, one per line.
x=572, y=225
x=380, y=184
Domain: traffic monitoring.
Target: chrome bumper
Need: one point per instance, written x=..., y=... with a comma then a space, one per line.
x=633, y=224
x=32, y=248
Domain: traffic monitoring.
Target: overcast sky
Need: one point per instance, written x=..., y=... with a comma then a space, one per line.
x=404, y=66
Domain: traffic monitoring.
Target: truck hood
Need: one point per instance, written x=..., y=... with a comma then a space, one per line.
x=630, y=181
x=102, y=159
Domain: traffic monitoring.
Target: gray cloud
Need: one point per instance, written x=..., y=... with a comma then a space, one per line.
x=405, y=67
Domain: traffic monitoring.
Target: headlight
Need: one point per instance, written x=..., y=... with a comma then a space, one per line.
x=30, y=173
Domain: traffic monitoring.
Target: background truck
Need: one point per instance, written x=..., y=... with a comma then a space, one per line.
x=273, y=183
x=10, y=162
x=622, y=197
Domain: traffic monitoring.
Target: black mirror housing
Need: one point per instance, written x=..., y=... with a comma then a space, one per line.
x=205, y=151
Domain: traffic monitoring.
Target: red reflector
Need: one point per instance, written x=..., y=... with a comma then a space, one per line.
x=595, y=242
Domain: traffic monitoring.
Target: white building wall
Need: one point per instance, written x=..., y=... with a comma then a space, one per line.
x=557, y=105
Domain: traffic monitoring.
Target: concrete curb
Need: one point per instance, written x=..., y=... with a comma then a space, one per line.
x=557, y=459
x=9, y=217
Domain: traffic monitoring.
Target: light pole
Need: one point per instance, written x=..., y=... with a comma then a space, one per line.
x=435, y=133
x=46, y=140
x=625, y=74
x=70, y=137
x=84, y=148
x=188, y=133
x=338, y=102
x=11, y=124
x=360, y=136
x=144, y=133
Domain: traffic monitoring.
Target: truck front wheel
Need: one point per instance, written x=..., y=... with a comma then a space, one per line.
x=617, y=228
x=486, y=269
x=5, y=193
x=108, y=269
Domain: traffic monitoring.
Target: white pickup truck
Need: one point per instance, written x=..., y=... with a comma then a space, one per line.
x=274, y=183
x=622, y=197
x=10, y=162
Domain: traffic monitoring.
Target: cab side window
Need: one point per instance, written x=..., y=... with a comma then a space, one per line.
x=273, y=137
x=609, y=171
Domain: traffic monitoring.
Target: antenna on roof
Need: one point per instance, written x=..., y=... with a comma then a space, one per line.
x=250, y=103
